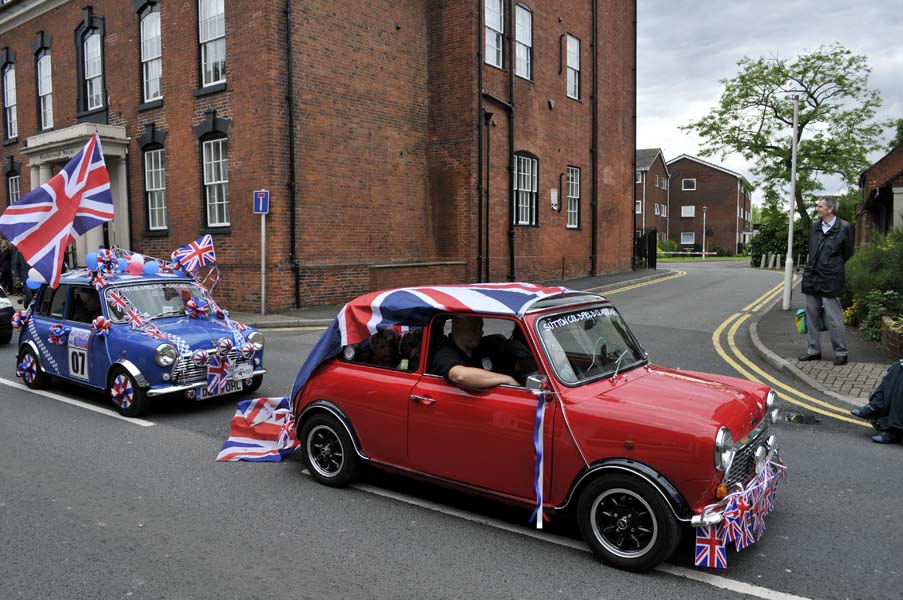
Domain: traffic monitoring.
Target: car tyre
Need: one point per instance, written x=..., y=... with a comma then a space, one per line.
x=129, y=399
x=256, y=382
x=328, y=451
x=32, y=374
x=627, y=523
x=5, y=337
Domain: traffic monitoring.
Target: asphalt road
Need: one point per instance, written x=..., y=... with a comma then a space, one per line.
x=97, y=507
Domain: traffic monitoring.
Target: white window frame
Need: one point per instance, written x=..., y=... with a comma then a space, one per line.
x=526, y=189
x=151, y=57
x=573, y=198
x=638, y=207
x=9, y=101
x=688, y=184
x=638, y=176
x=664, y=182
x=494, y=17
x=664, y=210
x=212, y=39
x=216, y=181
x=573, y=67
x=155, y=188
x=688, y=212
x=657, y=210
x=523, y=38
x=93, y=51
x=45, y=91
x=13, y=188
x=687, y=235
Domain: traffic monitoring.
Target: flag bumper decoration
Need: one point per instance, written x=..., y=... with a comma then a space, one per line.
x=263, y=430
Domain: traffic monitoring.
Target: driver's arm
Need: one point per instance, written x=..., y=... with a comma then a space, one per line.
x=474, y=378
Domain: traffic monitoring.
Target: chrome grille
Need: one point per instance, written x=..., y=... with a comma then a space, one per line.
x=744, y=465
x=186, y=372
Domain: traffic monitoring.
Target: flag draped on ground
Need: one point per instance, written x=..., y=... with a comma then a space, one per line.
x=262, y=431
x=46, y=220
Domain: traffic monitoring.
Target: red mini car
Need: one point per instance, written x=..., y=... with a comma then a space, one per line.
x=634, y=450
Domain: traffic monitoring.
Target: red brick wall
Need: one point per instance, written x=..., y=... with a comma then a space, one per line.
x=717, y=191
x=656, y=193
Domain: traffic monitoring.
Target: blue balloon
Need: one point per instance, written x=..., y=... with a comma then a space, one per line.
x=151, y=268
x=91, y=260
x=179, y=273
x=32, y=284
x=122, y=264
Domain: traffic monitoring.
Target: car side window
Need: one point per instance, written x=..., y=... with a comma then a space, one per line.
x=84, y=304
x=58, y=302
x=43, y=305
x=395, y=347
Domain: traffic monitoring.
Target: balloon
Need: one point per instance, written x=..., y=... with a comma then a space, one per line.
x=135, y=268
x=122, y=264
x=179, y=273
x=91, y=260
x=137, y=258
x=34, y=274
x=32, y=284
x=151, y=268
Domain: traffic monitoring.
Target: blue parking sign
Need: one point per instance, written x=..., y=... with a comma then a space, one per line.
x=261, y=202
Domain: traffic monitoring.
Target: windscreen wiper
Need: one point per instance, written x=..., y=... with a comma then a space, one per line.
x=618, y=364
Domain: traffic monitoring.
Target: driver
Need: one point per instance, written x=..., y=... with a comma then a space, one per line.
x=460, y=359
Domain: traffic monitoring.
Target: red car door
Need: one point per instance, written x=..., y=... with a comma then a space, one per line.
x=479, y=438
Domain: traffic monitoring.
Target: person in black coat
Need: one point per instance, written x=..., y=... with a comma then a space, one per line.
x=885, y=407
x=830, y=247
x=6, y=265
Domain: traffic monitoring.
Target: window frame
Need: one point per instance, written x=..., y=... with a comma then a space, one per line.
x=692, y=235
x=45, y=96
x=150, y=10
x=638, y=176
x=206, y=43
x=573, y=198
x=208, y=184
x=526, y=201
x=688, y=211
x=96, y=78
x=569, y=68
x=684, y=184
x=10, y=110
x=498, y=47
x=657, y=210
x=637, y=207
x=13, y=175
x=152, y=194
x=518, y=44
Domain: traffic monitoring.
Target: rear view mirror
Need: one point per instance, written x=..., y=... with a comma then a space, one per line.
x=536, y=383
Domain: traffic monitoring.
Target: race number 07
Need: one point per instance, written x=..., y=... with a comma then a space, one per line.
x=78, y=363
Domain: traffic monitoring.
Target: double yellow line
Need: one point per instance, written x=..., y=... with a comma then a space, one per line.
x=675, y=275
x=751, y=371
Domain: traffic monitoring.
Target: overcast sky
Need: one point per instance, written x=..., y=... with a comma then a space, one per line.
x=686, y=47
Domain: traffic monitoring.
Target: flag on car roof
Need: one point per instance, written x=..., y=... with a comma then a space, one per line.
x=194, y=255
x=263, y=430
x=46, y=220
x=367, y=314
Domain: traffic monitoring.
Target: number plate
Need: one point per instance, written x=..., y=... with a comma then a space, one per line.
x=231, y=386
x=244, y=371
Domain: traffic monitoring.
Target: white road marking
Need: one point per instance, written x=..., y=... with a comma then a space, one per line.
x=104, y=411
x=699, y=576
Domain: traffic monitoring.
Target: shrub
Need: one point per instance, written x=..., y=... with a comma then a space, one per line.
x=876, y=266
x=876, y=304
x=772, y=238
x=667, y=246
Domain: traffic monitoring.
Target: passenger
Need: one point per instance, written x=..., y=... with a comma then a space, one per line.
x=459, y=359
x=85, y=305
x=409, y=349
x=384, y=349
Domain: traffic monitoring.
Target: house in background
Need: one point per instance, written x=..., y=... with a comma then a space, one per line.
x=402, y=143
x=882, y=197
x=709, y=193
x=652, y=183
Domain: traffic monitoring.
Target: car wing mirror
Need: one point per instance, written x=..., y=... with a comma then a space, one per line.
x=537, y=384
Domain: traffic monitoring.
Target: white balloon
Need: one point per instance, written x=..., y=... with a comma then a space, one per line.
x=137, y=258
x=33, y=273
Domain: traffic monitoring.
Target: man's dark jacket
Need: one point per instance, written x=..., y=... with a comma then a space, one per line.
x=828, y=252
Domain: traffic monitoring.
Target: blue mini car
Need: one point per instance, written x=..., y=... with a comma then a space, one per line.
x=136, y=338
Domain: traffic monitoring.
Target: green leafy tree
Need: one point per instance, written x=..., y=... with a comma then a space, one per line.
x=898, y=136
x=836, y=130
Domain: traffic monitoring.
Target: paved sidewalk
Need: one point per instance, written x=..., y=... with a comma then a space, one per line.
x=777, y=342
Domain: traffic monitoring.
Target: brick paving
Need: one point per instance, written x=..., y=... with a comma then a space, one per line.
x=854, y=379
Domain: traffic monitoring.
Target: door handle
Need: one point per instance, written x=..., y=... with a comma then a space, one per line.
x=425, y=400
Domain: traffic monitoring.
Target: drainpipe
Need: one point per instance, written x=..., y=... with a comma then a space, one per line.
x=643, y=205
x=511, y=51
x=737, y=216
x=290, y=117
x=488, y=117
x=593, y=151
x=479, y=107
x=633, y=175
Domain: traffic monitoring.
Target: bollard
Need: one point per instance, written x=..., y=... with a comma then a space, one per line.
x=764, y=257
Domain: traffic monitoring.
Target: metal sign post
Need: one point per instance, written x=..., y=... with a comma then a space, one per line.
x=262, y=207
x=788, y=265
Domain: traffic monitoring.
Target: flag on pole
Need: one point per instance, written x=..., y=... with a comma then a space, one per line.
x=46, y=220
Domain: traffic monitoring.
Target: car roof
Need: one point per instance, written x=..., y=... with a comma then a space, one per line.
x=570, y=298
x=83, y=277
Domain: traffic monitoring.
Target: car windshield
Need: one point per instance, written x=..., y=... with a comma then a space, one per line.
x=588, y=344
x=153, y=300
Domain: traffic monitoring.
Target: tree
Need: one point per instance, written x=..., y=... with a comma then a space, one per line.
x=836, y=130
x=898, y=137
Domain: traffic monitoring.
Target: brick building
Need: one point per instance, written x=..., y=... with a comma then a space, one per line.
x=433, y=141
x=882, y=197
x=652, y=180
x=703, y=191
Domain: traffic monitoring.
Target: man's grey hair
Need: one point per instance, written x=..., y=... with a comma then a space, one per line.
x=830, y=203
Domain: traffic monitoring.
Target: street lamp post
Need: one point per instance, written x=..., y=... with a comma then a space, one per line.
x=703, y=232
x=788, y=264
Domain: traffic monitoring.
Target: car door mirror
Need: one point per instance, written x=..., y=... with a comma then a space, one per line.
x=536, y=383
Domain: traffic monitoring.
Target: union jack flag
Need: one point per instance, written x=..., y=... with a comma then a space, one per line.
x=263, y=430
x=219, y=372
x=98, y=280
x=196, y=254
x=135, y=318
x=749, y=537
x=118, y=300
x=733, y=524
x=154, y=331
x=45, y=221
x=710, y=551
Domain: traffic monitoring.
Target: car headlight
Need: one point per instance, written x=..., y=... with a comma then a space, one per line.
x=5, y=302
x=256, y=339
x=724, y=449
x=165, y=355
x=770, y=409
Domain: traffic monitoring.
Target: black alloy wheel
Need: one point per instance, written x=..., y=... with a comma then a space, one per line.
x=328, y=451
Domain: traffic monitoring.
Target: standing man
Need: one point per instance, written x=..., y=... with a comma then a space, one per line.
x=830, y=247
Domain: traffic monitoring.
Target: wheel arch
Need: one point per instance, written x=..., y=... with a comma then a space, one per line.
x=679, y=506
x=327, y=407
x=132, y=370
x=34, y=350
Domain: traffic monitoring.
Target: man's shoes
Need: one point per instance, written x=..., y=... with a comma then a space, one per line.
x=806, y=357
x=840, y=360
x=887, y=437
x=867, y=412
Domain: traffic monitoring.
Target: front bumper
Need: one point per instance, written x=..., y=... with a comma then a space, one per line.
x=175, y=389
x=714, y=513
